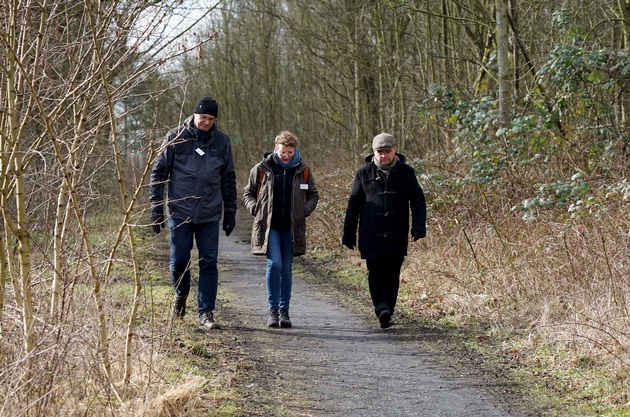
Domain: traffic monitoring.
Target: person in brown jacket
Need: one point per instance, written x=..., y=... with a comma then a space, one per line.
x=280, y=194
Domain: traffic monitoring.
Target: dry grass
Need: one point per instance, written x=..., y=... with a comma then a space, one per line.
x=176, y=401
x=64, y=375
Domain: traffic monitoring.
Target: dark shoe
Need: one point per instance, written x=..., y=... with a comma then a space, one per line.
x=274, y=319
x=179, y=307
x=385, y=317
x=285, y=321
x=207, y=321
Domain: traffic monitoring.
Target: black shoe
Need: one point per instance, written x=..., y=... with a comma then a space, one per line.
x=285, y=321
x=385, y=317
x=274, y=319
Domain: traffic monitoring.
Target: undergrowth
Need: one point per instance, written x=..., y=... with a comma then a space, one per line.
x=548, y=298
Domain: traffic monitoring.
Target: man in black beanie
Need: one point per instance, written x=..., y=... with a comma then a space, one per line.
x=207, y=105
x=196, y=165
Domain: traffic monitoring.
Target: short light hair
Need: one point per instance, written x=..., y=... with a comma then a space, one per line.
x=287, y=138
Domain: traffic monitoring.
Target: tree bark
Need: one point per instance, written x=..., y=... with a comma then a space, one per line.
x=505, y=76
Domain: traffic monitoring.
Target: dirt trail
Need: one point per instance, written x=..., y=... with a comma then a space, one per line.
x=336, y=361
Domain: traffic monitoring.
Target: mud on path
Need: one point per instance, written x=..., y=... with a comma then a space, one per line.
x=336, y=361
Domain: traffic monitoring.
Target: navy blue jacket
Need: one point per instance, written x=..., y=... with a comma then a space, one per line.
x=198, y=171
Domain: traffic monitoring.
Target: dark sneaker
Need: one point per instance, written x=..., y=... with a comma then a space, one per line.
x=285, y=321
x=207, y=321
x=274, y=319
x=179, y=307
x=385, y=318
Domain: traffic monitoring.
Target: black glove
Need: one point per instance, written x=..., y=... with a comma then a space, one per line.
x=349, y=242
x=417, y=234
x=157, y=219
x=229, y=221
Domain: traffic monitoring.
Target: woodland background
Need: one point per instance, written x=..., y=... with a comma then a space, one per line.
x=514, y=114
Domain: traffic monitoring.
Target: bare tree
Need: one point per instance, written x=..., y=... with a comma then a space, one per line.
x=77, y=79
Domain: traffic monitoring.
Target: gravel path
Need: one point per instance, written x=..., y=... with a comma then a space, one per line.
x=336, y=361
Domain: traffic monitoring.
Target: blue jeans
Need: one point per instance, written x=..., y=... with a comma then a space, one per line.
x=279, y=269
x=206, y=236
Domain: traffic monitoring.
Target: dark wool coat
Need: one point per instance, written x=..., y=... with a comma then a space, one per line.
x=199, y=174
x=258, y=196
x=380, y=209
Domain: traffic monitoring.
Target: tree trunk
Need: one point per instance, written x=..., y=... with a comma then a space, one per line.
x=14, y=157
x=624, y=11
x=505, y=76
x=513, y=11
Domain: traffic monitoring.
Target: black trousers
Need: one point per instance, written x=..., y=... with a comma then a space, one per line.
x=384, y=281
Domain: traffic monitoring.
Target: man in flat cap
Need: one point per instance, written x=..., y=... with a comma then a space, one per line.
x=383, y=192
x=196, y=166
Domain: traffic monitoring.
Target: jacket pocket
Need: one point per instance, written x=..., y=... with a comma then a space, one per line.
x=258, y=233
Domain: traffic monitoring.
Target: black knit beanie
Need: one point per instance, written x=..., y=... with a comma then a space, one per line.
x=207, y=105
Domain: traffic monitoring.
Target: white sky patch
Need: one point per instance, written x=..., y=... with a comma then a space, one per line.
x=171, y=27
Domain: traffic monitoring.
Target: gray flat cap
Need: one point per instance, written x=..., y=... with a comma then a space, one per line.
x=383, y=141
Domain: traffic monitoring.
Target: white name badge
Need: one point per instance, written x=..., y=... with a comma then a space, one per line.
x=200, y=152
x=303, y=186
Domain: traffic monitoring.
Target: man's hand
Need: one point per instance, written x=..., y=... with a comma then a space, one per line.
x=229, y=221
x=417, y=234
x=349, y=242
x=157, y=219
